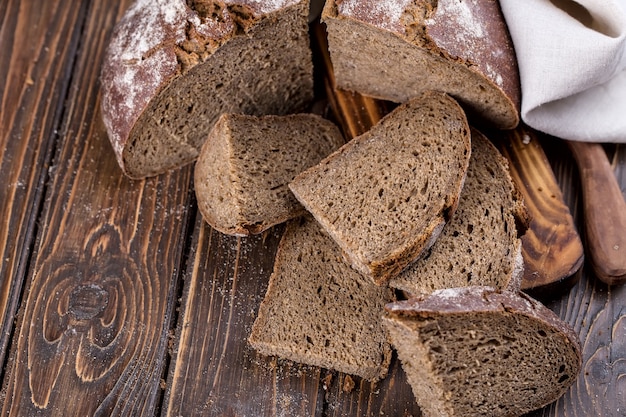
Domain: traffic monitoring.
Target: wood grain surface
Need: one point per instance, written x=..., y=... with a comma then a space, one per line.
x=92, y=333
x=39, y=43
x=118, y=300
x=214, y=365
x=552, y=247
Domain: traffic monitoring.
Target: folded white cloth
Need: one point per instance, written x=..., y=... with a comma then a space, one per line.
x=572, y=62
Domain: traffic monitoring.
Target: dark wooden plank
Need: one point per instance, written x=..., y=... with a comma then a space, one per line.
x=215, y=372
x=93, y=328
x=597, y=314
x=39, y=41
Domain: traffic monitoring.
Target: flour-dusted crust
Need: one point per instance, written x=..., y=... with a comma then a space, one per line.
x=157, y=41
x=478, y=299
x=475, y=32
x=140, y=58
x=471, y=30
x=469, y=33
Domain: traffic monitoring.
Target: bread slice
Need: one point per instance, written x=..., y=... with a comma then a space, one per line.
x=395, y=49
x=174, y=66
x=481, y=244
x=242, y=174
x=319, y=311
x=385, y=196
x=476, y=351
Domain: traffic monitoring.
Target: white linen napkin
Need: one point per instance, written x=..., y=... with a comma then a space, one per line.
x=572, y=62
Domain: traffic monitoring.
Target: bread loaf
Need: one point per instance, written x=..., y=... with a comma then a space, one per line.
x=244, y=168
x=476, y=351
x=481, y=244
x=173, y=66
x=394, y=49
x=385, y=196
x=319, y=311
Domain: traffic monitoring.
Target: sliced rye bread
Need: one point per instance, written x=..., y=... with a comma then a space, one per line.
x=174, y=66
x=394, y=49
x=319, y=311
x=476, y=351
x=242, y=174
x=385, y=195
x=481, y=244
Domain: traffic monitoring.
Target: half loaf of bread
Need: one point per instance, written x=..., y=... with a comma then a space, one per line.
x=476, y=351
x=385, y=196
x=319, y=311
x=481, y=244
x=173, y=66
x=394, y=49
x=244, y=168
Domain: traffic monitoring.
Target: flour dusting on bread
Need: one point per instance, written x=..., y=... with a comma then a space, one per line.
x=385, y=14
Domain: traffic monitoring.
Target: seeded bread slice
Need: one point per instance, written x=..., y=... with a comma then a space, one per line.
x=245, y=166
x=319, y=311
x=394, y=49
x=174, y=66
x=481, y=244
x=385, y=196
x=476, y=351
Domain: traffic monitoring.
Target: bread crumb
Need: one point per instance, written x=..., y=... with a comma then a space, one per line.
x=348, y=384
x=326, y=381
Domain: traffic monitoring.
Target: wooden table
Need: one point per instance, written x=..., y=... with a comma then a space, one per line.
x=117, y=300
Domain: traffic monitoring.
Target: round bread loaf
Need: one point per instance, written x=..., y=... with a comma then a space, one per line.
x=174, y=66
x=395, y=49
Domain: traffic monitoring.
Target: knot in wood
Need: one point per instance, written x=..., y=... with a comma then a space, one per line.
x=88, y=301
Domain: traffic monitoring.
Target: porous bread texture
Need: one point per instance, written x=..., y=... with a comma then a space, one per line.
x=481, y=244
x=477, y=351
x=174, y=66
x=395, y=49
x=319, y=311
x=242, y=174
x=385, y=196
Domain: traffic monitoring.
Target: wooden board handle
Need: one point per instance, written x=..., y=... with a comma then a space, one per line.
x=552, y=248
x=604, y=211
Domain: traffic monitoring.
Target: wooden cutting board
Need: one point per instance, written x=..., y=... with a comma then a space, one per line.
x=552, y=247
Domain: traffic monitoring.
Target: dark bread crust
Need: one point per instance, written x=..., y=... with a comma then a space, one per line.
x=477, y=299
x=156, y=42
x=470, y=37
x=491, y=54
